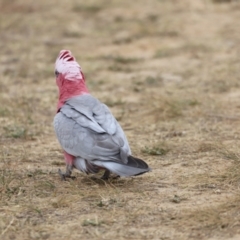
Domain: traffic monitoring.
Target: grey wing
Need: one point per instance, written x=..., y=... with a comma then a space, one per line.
x=94, y=110
x=86, y=128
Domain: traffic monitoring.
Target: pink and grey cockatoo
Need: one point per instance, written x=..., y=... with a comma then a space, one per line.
x=90, y=136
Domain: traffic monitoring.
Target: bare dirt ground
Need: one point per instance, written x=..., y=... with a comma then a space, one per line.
x=169, y=70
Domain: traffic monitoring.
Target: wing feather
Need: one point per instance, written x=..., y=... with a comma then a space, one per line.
x=86, y=128
x=95, y=111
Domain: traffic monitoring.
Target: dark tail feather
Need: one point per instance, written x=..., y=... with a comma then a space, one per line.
x=137, y=163
x=133, y=167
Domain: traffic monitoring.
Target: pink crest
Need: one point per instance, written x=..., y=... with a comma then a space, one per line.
x=66, y=64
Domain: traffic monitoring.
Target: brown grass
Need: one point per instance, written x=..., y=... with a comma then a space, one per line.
x=169, y=71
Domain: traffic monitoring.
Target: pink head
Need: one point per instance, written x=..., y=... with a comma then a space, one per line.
x=69, y=77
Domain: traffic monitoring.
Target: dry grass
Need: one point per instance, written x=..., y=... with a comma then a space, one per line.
x=169, y=70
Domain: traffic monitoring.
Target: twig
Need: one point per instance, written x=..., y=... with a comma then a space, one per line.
x=234, y=118
x=8, y=226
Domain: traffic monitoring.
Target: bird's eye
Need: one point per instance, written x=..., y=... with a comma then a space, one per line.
x=56, y=73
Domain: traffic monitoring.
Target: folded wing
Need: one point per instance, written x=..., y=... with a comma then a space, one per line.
x=86, y=128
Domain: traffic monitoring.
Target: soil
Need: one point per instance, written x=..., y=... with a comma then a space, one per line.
x=169, y=71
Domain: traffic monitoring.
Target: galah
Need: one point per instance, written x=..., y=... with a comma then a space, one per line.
x=90, y=136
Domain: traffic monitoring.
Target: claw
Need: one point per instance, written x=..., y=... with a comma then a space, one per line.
x=67, y=174
x=62, y=175
x=115, y=177
x=106, y=175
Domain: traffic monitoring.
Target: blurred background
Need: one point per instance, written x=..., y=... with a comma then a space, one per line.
x=169, y=71
x=131, y=49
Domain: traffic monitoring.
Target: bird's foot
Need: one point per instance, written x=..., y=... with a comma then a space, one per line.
x=106, y=175
x=67, y=174
x=115, y=176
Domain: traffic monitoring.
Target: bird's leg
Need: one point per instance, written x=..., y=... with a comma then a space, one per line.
x=68, y=172
x=106, y=175
x=69, y=166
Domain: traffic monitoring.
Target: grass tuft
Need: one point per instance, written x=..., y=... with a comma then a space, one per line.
x=155, y=151
x=16, y=131
x=91, y=222
x=90, y=9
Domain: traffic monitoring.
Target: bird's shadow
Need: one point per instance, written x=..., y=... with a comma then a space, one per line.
x=93, y=180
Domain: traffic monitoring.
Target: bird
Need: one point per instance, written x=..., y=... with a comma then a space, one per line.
x=91, y=138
